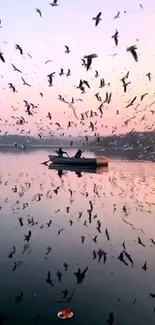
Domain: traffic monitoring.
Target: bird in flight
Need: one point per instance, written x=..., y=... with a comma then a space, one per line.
x=67, y=49
x=25, y=83
x=39, y=12
x=2, y=57
x=117, y=16
x=115, y=37
x=132, y=49
x=15, y=69
x=149, y=75
x=97, y=18
x=18, y=47
x=54, y=3
x=89, y=60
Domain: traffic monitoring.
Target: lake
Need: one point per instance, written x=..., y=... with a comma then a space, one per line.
x=44, y=213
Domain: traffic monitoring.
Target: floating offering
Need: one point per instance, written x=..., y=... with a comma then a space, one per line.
x=65, y=314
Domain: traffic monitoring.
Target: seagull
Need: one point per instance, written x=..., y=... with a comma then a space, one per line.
x=68, y=73
x=67, y=49
x=48, y=61
x=89, y=60
x=18, y=47
x=2, y=57
x=133, y=49
x=96, y=74
x=149, y=75
x=102, y=83
x=15, y=69
x=115, y=37
x=61, y=72
x=97, y=18
x=131, y=103
x=25, y=83
x=39, y=12
x=54, y=3
x=117, y=16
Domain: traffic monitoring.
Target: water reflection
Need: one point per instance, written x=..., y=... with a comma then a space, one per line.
x=78, y=170
x=85, y=243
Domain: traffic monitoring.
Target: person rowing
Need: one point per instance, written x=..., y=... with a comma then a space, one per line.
x=78, y=154
x=60, y=152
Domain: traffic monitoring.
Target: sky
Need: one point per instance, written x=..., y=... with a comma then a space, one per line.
x=70, y=23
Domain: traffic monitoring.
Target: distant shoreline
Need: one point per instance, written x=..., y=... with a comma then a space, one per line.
x=98, y=151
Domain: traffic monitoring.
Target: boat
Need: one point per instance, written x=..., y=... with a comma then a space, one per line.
x=79, y=161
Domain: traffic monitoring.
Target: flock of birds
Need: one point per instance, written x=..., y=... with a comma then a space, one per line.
x=90, y=119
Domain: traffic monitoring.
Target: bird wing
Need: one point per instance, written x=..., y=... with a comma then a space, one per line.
x=99, y=15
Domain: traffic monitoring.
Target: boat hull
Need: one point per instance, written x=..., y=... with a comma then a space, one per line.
x=79, y=161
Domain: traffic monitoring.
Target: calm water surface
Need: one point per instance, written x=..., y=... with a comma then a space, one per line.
x=30, y=190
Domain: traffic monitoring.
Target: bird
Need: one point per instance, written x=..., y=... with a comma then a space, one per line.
x=132, y=49
x=132, y=102
x=144, y=267
x=68, y=74
x=25, y=83
x=140, y=242
x=39, y=12
x=18, y=47
x=83, y=238
x=67, y=49
x=149, y=75
x=2, y=57
x=89, y=60
x=54, y=3
x=142, y=96
x=61, y=72
x=96, y=74
x=15, y=69
x=115, y=37
x=97, y=18
x=102, y=83
x=141, y=6
x=117, y=16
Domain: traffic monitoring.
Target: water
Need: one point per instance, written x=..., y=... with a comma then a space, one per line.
x=109, y=287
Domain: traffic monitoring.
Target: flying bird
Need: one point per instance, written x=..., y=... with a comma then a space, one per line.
x=117, y=16
x=25, y=83
x=132, y=102
x=132, y=49
x=115, y=37
x=2, y=57
x=149, y=75
x=97, y=18
x=15, y=69
x=54, y=3
x=89, y=60
x=39, y=12
x=67, y=49
x=18, y=47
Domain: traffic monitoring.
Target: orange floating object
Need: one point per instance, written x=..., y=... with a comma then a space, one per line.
x=65, y=314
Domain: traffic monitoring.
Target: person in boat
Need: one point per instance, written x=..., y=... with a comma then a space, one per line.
x=78, y=154
x=60, y=152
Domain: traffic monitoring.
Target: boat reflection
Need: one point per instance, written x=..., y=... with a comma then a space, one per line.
x=62, y=169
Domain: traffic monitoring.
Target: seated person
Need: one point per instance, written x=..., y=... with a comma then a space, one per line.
x=60, y=152
x=78, y=154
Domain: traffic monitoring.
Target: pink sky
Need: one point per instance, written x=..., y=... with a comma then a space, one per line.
x=71, y=23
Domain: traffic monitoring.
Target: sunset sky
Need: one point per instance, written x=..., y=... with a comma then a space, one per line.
x=71, y=24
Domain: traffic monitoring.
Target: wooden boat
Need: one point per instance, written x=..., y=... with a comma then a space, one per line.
x=79, y=161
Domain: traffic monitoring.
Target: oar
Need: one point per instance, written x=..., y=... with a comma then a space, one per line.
x=45, y=162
